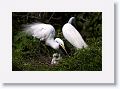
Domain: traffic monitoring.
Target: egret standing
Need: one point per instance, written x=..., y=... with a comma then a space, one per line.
x=72, y=35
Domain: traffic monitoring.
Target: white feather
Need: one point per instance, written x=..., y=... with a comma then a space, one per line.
x=41, y=31
x=73, y=36
x=45, y=32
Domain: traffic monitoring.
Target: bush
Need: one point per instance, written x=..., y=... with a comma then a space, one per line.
x=29, y=54
x=86, y=59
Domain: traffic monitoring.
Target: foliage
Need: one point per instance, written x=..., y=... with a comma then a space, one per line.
x=88, y=59
x=31, y=54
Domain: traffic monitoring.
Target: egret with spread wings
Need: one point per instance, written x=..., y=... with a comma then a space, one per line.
x=45, y=32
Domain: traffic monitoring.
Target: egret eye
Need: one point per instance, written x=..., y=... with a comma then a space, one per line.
x=56, y=41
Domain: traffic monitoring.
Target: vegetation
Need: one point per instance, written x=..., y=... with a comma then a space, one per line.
x=31, y=54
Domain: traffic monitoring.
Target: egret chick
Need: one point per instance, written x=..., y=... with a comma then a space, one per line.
x=56, y=58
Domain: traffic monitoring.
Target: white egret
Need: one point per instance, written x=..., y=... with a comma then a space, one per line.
x=72, y=35
x=45, y=32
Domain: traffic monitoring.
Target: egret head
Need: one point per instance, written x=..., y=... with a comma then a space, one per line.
x=55, y=55
x=61, y=43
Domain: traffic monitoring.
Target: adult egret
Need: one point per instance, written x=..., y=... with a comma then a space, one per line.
x=72, y=35
x=45, y=32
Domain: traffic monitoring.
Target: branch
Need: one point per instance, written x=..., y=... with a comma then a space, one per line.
x=51, y=16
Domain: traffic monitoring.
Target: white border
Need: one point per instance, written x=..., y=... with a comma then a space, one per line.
x=104, y=76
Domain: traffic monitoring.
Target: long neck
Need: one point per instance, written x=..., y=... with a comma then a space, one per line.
x=52, y=43
x=71, y=20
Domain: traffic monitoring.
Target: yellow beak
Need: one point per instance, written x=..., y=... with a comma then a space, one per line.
x=64, y=48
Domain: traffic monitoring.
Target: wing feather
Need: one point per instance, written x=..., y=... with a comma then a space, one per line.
x=40, y=30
